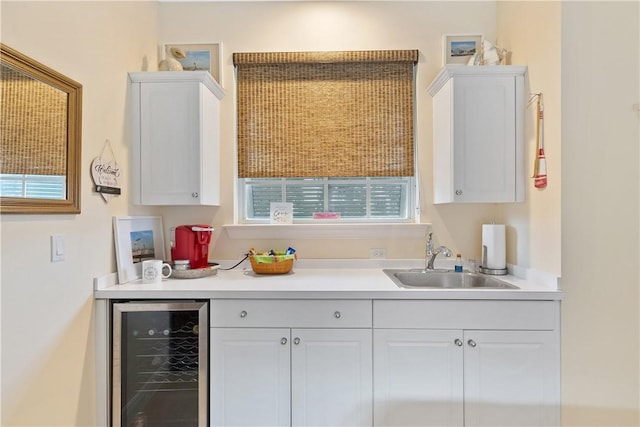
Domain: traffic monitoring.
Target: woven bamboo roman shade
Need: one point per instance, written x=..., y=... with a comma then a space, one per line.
x=33, y=129
x=325, y=114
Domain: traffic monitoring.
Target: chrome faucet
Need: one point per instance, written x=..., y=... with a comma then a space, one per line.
x=432, y=253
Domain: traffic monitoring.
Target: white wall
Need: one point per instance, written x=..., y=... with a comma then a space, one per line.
x=600, y=213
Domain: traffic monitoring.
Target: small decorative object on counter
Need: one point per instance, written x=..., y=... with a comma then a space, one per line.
x=458, y=266
x=272, y=262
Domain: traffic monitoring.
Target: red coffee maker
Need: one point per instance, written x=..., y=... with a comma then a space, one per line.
x=191, y=242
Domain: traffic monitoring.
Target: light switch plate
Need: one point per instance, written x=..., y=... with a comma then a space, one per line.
x=57, y=248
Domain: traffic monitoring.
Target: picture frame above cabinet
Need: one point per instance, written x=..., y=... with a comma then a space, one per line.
x=478, y=134
x=175, y=138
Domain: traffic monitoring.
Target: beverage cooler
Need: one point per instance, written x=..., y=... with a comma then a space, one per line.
x=160, y=364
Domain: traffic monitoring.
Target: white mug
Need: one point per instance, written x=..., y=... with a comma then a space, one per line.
x=152, y=271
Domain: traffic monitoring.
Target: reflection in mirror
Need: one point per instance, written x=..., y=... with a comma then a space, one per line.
x=39, y=137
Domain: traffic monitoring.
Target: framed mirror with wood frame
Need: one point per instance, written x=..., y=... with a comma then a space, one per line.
x=40, y=137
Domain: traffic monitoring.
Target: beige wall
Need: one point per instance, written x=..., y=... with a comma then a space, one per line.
x=47, y=339
x=591, y=142
x=317, y=26
x=48, y=369
x=600, y=213
x=534, y=226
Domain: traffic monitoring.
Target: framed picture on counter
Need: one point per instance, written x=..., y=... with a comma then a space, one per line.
x=197, y=57
x=137, y=238
x=459, y=48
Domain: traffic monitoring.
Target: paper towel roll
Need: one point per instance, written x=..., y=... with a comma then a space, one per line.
x=493, y=237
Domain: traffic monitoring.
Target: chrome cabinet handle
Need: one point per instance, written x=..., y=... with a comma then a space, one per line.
x=472, y=343
x=296, y=340
x=337, y=315
x=458, y=342
x=283, y=341
x=195, y=194
x=243, y=313
x=458, y=192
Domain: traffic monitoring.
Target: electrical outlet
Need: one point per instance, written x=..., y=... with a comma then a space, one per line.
x=377, y=253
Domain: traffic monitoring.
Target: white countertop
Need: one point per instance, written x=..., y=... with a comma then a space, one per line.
x=351, y=279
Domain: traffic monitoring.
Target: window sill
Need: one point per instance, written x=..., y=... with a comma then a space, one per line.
x=326, y=231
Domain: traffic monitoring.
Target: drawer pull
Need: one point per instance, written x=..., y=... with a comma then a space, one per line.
x=296, y=340
x=337, y=315
x=283, y=341
x=472, y=343
x=458, y=342
x=243, y=313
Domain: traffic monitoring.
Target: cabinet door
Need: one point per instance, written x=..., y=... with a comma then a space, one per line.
x=511, y=378
x=484, y=134
x=250, y=378
x=331, y=377
x=170, y=143
x=418, y=377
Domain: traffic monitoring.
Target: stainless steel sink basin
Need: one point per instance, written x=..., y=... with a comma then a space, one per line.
x=444, y=280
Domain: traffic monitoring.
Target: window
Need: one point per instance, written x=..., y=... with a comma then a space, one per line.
x=33, y=186
x=328, y=132
x=355, y=199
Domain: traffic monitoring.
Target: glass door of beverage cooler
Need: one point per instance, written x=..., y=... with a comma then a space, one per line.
x=160, y=364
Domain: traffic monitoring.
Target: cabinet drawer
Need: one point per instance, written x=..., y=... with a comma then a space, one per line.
x=450, y=314
x=291, y=313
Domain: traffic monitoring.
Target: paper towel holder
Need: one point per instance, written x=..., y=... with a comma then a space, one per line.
x=492, y=271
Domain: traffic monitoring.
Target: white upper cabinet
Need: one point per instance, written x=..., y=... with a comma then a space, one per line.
x=478, y=134
x=176, y=138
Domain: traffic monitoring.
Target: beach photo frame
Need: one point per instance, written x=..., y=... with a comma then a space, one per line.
x=198, y=57
x=459, y=48
x=137, y=238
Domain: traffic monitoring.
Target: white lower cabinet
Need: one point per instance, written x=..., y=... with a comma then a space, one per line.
x=385, y=363
x=470, y=377
x=301, y=376
x=418, y=378
x=250, y=377
x=331, y=377
x=511, y=378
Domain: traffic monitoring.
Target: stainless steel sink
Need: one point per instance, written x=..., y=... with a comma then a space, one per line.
x=444, y=280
